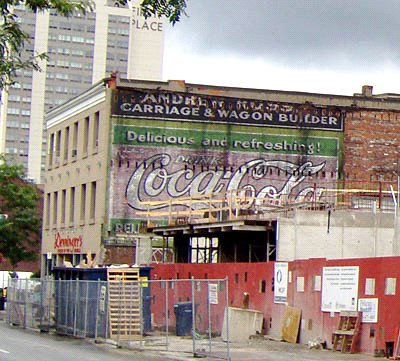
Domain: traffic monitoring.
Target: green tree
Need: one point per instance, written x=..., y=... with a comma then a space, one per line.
x=15, y=56
x=20, y=223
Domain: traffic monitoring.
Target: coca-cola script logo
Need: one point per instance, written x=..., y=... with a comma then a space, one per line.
x=71, y=243
x=155, y=178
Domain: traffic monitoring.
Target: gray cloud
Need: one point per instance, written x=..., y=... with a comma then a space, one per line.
x=330, y=34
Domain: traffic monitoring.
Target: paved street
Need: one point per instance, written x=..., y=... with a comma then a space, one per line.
x=25, y=345
x=17, y=344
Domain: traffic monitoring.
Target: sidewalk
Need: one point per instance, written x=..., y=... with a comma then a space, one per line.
x=266, y=349
x=259, y=348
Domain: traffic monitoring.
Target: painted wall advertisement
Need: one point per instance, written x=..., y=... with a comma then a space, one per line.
x=281, y=282
x=162, y=163
x=339, y=289
x=193, y=107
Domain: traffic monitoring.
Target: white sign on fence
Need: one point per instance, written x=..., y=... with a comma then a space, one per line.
x=339, y=289
x=280, y=282
x=213, y=293
x=369, y=309
x=102, y=299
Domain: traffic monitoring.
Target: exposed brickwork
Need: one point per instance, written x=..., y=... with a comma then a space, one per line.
x=120, y=255
x=372, y=145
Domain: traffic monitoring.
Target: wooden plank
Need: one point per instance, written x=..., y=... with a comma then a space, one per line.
x=291, y=324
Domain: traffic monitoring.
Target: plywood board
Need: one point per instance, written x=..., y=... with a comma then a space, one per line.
x=291, y=324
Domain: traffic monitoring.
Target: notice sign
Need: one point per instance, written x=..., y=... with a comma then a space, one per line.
x=369, y=309
x=213, y=294
x=280, y=282
x=339, y=289
x=102, y=299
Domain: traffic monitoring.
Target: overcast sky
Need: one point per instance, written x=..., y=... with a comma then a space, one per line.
x=322, y=46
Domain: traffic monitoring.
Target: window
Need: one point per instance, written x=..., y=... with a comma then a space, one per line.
x=58, y=147
x=63, y=205
x=83, y=203
x=14, y=98
x=66, y=143
x=55, y=203
x=72, y=206
x=204, y=250
x=48, y=208
x=75, y=140
x=51, y=149
x=96, y=125
x=78, y=39
x=86, y=135
x=14, y=111
x=93, y=190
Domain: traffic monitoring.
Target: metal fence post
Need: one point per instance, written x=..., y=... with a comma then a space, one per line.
x=86, y=306
x=76, y=305
x=97, y=309
x=209, y=316
x=166, y=313
x=193, y=317
x=26, y=303
x=227, y=320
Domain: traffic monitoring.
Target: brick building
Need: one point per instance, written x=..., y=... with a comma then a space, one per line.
x=127, y=152
x=237, y=176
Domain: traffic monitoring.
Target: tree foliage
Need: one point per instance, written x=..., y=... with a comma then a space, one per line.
x=13, y=52
x=13, y=39
x=20, y=222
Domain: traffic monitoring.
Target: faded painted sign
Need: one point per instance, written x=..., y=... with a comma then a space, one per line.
x=202, y=108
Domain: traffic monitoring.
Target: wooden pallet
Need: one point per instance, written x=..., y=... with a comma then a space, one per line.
x=346, y=335
x=124, y=304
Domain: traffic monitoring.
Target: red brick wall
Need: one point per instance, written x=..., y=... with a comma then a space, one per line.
x=372, y=145
x=120, y=255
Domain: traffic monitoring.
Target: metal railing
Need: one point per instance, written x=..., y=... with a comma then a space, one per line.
x=247, y=204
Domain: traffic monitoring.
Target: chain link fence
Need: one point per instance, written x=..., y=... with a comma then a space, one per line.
x=185, y=316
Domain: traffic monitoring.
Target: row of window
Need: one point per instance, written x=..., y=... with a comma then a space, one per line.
x=17, y=111
x=18, y=98
x=68, y=51
x=69, y=77
x=69, y=38
x=24, y=86
x=70, y=64
x=65, y=207
x=74, y=140
x=17, y=125
x=63, y=90
x=119, y=31
x=73, y=26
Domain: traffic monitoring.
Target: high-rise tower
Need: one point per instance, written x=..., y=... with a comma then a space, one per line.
x=82, y=49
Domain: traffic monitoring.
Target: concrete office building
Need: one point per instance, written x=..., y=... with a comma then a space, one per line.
x=82, y=50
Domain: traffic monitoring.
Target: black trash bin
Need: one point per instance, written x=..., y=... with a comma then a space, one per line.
x=183, y=315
